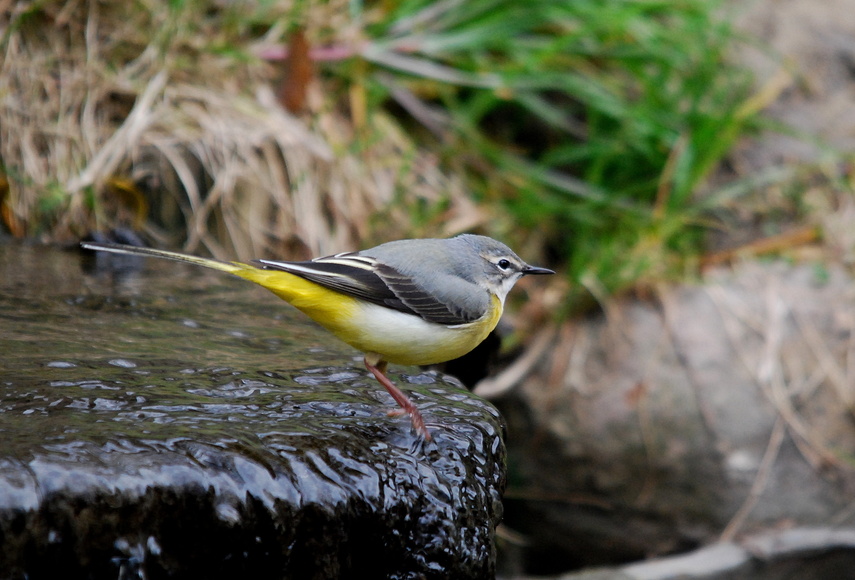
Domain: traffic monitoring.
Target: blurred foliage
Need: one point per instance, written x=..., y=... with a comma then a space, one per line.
x=587, y=127
x=595, y=122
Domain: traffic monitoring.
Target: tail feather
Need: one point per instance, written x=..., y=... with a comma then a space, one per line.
x=231, y=267
x=319, y=303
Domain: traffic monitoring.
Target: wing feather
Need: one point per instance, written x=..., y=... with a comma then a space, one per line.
x=369, y=279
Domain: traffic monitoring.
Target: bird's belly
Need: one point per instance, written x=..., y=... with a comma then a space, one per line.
x=406, y=339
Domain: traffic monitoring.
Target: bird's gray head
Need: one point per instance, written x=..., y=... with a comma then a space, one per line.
x=495, y=266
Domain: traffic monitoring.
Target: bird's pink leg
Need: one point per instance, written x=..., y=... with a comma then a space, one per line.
x=407, y=406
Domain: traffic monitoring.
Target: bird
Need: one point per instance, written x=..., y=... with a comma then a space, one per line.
x=410, y=302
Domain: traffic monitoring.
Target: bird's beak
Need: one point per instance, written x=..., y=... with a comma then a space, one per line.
x=535, y=270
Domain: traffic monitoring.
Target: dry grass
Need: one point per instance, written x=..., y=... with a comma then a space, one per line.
x=110, y=112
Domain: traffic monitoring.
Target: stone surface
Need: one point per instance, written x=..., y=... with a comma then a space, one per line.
x=708, y=412
x=162, y=425
x=803, y=553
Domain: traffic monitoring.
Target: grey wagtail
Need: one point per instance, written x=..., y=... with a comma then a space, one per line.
x=409, y=302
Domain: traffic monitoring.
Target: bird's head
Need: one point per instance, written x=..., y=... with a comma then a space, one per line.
x=496, y=267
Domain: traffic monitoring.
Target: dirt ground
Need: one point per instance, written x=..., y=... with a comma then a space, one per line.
x=813, y=57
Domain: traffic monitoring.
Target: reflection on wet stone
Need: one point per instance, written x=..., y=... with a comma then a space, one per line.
x=160, y=449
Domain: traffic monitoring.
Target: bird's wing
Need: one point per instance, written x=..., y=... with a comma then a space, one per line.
x=369, y=279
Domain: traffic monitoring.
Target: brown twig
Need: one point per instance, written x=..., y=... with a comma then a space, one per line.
x=784, y=241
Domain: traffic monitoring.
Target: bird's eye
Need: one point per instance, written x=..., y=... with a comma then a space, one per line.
x=503, y=264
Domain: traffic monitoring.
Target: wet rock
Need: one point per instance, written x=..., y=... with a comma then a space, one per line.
x=152, y=435
x=245, y=476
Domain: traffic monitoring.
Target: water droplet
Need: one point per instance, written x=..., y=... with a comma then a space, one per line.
x=125, y=364
x=58, y=364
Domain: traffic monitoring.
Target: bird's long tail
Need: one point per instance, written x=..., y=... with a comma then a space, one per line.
x=327, y=307
x=230, y=267
x=311, y=298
